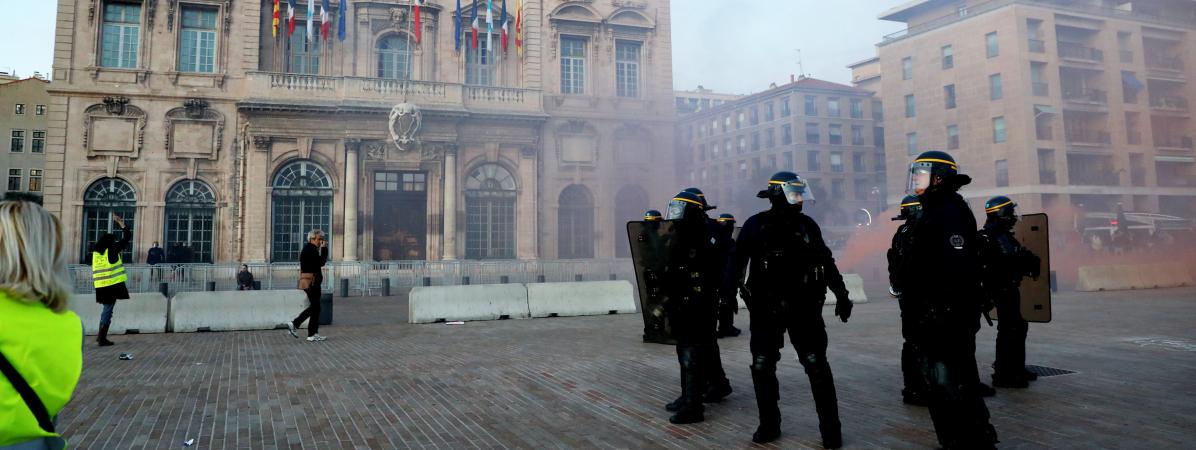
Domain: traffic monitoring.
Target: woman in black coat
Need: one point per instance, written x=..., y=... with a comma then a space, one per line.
x=108, y=295
x=311, y=260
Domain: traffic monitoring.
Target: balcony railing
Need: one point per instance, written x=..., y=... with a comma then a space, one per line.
x=1127, y=56
x=1138, y=177
x=1174, y=142
x=1159, y=62
x=1088, y=137
x=1093, y=178
x=1037, y=46
x=1169, y=103
x=1175, y=181
x=288, y=86
x=1077, y=51
x=1045, y=134
x=1085, y=95
x=1041, y=89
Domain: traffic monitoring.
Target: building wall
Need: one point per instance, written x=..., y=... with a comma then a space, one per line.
x=1040, y=185
x=259, y=118
x=32, y=94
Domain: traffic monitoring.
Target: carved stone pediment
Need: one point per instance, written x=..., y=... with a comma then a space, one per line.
x=194, y=131
x=114, y=128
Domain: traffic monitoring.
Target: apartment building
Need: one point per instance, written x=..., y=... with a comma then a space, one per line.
x=23, y=113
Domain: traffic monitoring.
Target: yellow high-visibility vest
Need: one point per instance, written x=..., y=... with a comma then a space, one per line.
x=105, y=274
x=46, y=348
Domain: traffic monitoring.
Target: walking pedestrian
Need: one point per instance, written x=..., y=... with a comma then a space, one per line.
x=311, y=260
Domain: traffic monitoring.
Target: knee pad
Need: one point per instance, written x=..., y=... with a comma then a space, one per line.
x=815, y=365
x=763, y=363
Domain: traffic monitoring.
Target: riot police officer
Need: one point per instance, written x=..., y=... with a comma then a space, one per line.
x=692, y=281
x=652, y=215
x=914, y=390
x=941, y=272
x=728, y=305
x=1005, y=263
x=790, y=270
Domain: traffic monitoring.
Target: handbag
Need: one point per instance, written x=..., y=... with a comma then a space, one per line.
x=306, y=280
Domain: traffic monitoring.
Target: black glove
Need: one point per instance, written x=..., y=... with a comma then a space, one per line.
x=843, y=307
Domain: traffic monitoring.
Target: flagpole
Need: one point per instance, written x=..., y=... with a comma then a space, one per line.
x=410, y=52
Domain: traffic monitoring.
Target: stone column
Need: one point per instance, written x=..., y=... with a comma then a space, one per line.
x=351, y=181
x=450, y=203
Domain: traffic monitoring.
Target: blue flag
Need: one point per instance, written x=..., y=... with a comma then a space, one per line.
x=340, y=20
x=457, y=23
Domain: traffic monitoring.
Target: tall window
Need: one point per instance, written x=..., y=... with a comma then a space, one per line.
x=812, y=161
x=190, y=213
x=787, y=160
x=857, y=135
x=197, y=40
x=1002, y=173
x=787, y=134
x=832, y=106
x=949, y=96
x=785, y=111
x=952, y=137
x=394, y=59
x=811, y=105
x=18, y=141
x=768, y=114
x=836, y=134
x=38, y=144
x=857, y=108
x=909, y=106
x=948, y=57
x=911, y=143
x=102, y=199
x=575, y=223
x=755, y=141
x=14, y=179
x=998, y=130
x=812, y=134
x=302, y=202
x=39, y=110
x=990, y=44
x=754, y=115
x=857, y=162
x=995, y=92
x=627, y=68
x=19, y=109
x=907, y=68
x=573, y=65
x=120, y=35
x=35, y=180
x=490, y=213
x=836, y=161
x=304, y=56
x=742, y=144
x=770, y=138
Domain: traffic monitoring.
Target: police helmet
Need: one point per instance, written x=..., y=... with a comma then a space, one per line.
x=928, y=166
x=1000, y=207
x=725, y=218
x=684, y=204
x=701, y=196
x=789, y=186
x=911, y=208
x=653, y=215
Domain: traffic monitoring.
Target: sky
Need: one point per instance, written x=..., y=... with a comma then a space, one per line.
x=756, y=41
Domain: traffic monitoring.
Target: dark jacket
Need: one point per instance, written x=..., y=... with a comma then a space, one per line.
x=800, y=265
x=896, y=255
x=155, y=256
x=942, y=270
x=108, y=295
x=312, y=259
x=1004, y=260
x=245, y=280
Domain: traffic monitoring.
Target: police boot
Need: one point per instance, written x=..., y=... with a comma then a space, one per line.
x=102, y=339
x=764, y=381
x=1028, y=375
x=822, y=383
x=915, y=392
x=726, y=322
x=718, y=386
x=691, y=409
x=675, y=405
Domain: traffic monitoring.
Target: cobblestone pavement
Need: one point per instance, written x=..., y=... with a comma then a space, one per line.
x=590, y=383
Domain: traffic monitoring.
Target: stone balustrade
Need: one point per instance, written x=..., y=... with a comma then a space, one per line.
x=275, y=86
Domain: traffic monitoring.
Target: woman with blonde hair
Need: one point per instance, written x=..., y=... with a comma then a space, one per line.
x=41, y=342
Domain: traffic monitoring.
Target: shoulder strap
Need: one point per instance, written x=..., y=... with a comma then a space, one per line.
x=31, y=399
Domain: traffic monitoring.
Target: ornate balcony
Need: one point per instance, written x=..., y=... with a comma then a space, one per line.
x=315, y=90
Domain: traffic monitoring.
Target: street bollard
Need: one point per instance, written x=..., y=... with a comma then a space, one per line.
x=164, y=288
x=539, y=278
x=465, y=281
x=325, y=309
x=257, y=285
x=211, y=286
x=577, y=277
x=386, y=287
x=613, y=277
x=344, y=287
x=427, y=281
x=504, y=279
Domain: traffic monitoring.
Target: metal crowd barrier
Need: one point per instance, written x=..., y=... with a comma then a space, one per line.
x=362, y=278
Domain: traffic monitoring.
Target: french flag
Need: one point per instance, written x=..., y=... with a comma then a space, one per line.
x=291, y=17
x=474, y=25
x=325, y=20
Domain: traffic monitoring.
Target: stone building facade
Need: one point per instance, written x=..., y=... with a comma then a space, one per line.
x=226, y=143
x=23, y=112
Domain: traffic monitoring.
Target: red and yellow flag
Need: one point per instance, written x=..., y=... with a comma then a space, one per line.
x=275, y=29
x=519, y=28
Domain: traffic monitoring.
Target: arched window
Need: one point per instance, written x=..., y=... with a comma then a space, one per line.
x=190, y=213
x=575, y=223
x=394, y=58
x=102, y=199
x=302, y=202
x=490, y=213
x=630, y=204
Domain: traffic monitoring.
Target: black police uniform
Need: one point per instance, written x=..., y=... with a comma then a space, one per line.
x=914, y=386
x=942, y=273
x=1006, y=262
x=724, y=246
x=790, y=269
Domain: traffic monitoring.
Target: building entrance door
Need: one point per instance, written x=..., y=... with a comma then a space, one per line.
x=400, y=215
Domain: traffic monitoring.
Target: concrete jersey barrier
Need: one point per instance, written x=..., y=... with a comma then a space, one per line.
x=141, y=313
x=1132, y=276
x=234, y=310
x=580, y=298
x=427, y=304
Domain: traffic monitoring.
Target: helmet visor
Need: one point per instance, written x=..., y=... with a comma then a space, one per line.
x=919, y=178
x=677, y=208
x=795, y=192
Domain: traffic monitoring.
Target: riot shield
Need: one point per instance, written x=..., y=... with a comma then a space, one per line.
x=649, y=252
x=1033, y=231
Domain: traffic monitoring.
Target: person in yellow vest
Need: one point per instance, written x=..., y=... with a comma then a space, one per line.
x=108, y=274
x=41, y=342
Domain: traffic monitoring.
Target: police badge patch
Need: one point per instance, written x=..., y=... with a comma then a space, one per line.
x=957, y=241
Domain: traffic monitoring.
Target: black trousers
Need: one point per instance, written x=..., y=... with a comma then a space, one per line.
x=312, y=312
x=911, y=355
x=1011, y=335
x=807, y=333
x=726, y=312
x=961, y=419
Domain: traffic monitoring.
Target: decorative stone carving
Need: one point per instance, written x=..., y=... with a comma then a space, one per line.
x=405, y=120
x=262, y=142
x=172, y=5
x=114, y=128
x=375, y=150
x=432, y=152
x=194, y=131
x=151, y=6
x=629, y=4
